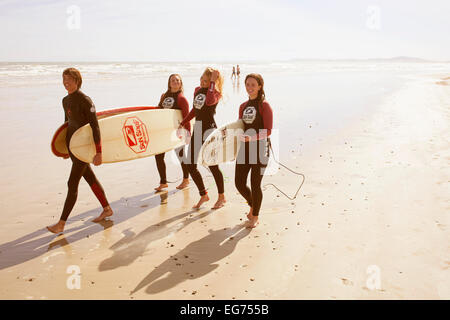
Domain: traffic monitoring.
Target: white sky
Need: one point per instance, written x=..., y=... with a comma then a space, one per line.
x=223, y=30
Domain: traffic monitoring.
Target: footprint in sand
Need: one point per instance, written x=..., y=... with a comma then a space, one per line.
x=347, y=282
x=441, y=226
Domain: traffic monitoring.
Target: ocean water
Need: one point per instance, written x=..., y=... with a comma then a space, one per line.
x=310, y=100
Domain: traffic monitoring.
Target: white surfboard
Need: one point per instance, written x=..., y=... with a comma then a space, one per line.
x=130, y=136
x=58, y=144
x=222, y=145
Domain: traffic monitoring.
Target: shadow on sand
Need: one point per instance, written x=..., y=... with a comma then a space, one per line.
x=195, y=260
x=41, y=241
x=133, y=246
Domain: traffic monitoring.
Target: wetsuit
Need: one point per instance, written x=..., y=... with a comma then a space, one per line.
x=204, y=109
x=79, y=110
x=173, y=101
x=253, y=155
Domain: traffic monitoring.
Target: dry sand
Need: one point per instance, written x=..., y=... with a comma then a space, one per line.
x=371, y=222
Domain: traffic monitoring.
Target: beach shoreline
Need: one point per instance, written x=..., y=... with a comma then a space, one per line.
x=369, y=223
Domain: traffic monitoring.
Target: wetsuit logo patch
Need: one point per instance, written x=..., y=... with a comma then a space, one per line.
x=168, y=102
x=135, y=134
x=249, y=115
x=199, y=100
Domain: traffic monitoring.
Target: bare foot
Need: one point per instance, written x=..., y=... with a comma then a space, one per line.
x=250, y=214
x=107, y=212
x=253, y=222
x=220, y=202
x=183, y=184
x=202, y=200
x=58, y=227
x=161, y=186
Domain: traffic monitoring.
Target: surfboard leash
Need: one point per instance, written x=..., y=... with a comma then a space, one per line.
x=269, y=184
x=294, y=172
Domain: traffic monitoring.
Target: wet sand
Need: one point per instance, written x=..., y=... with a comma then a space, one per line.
x=370, y=222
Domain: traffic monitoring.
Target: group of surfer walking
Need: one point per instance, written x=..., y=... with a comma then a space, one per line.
x=253, y=155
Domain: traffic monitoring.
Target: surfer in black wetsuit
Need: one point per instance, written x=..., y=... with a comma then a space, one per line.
x=79, y=110
x=253, y=154
x=174, y=98
x=206, y=98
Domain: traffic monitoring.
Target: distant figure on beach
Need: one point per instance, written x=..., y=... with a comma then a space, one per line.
x=206, y=98
x=174, y=98
x=238, y=71
x=79, y=110
x=253, y=155
x=236, y=86
x=233, y=75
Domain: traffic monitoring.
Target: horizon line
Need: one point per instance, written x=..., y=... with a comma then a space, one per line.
x=397, y=58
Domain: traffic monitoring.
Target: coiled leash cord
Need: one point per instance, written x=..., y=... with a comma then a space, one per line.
x=294, y=172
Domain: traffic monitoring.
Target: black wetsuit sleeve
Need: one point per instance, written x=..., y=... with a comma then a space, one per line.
x=64, y=109
x=91, y=116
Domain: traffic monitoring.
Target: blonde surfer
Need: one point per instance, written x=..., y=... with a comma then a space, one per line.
x=206, y=98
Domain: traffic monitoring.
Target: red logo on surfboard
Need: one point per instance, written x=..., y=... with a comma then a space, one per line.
x=135, y=134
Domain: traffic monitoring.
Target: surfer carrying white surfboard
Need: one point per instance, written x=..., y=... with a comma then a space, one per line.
x=79, y=110
x=174, y=98
x=253, y=154
x=206, y=98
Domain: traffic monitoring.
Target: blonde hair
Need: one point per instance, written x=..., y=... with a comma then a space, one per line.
x=219, y=82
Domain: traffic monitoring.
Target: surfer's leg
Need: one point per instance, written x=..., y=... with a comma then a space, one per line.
x=240, y=181
x=185, y=181
x=257, y=194
x=255, y=180
x=95, y=185
x=76, y=173
x=161, y=165
x=191, y=163
x=218, y=178
x=180, y=152
x=197, y=177
x=99, y=192
x=183, y=165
